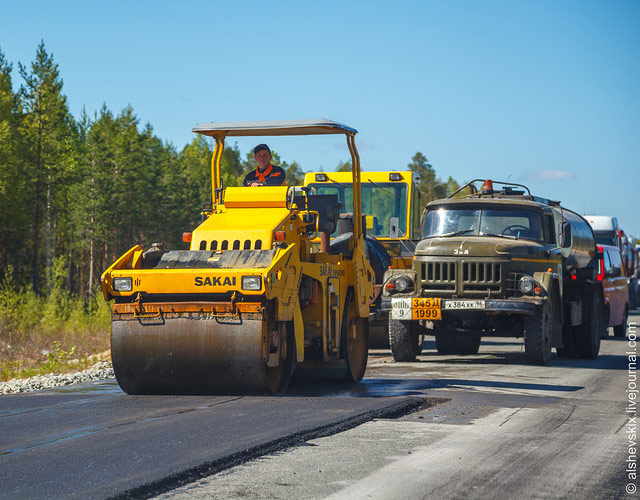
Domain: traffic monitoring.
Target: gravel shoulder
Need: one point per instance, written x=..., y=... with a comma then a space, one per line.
x=101, y=370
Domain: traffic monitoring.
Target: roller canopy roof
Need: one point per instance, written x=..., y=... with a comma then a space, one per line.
x=269, y=128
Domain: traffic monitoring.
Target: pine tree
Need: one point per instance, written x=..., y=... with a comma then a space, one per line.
x=431, y=187
x=50, y=136
x=13, y=220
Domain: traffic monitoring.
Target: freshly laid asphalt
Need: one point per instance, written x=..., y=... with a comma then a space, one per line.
x=93, y=441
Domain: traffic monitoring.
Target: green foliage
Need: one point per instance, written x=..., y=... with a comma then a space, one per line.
x=295, y=175
x=44, y=333
x=431, y=187
x=344, y=166
x=14, y=214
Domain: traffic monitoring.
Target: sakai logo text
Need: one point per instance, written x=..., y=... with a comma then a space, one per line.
x=327, y=270
x=215, y=281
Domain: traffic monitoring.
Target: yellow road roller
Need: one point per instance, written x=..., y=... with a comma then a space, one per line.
x=253, y=298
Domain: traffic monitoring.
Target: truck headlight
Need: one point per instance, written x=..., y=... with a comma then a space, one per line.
x=251, y=282
x=402, y=284
x=526, y=285
x=122, y=284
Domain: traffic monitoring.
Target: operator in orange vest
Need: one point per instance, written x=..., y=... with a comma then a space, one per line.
x=265, y=174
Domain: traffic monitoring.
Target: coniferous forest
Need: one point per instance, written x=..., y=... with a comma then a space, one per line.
x=76, y=192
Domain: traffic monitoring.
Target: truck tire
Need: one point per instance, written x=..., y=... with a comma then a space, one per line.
x=588, y=341
x=620, y=330
x=404, y=340
x=537, y=335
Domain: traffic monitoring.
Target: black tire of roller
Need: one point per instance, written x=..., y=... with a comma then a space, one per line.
x=356, y=354
x=375, y=252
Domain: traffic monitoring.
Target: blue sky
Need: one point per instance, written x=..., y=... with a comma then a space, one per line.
x=545, y=93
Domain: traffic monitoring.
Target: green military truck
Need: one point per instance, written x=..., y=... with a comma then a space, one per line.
x=498, y=263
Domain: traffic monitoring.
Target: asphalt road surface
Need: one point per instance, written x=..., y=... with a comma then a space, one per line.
x=482, y=426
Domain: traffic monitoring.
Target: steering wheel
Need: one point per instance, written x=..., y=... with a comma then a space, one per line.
x=514, y=228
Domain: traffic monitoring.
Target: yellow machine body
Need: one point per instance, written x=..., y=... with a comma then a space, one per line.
x=251, y=297
x=390, y=204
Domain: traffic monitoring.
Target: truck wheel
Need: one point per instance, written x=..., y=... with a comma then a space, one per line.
x=621, y=329
x=404, y=340
x=467, y=344
x=588, y=342
x=537, y=335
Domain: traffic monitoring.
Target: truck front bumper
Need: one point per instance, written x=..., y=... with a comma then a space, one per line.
x=405, y=308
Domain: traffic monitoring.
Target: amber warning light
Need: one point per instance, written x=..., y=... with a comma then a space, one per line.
x=487, y=187
x=186, y=237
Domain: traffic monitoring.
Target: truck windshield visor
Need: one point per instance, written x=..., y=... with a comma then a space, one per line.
x=382, y=200
x=507, y=223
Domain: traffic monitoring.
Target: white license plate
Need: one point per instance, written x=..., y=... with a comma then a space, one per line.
x=463, y=304
x=401, y=309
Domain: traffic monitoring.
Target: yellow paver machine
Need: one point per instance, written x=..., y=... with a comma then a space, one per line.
x=253, y=297
x=391, y=208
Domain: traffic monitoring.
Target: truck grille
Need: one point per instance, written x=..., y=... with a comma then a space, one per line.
x=481, y=276
x=438, y=276
x=451, y=277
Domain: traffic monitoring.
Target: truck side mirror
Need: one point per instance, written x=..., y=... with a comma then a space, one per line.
x=394, y=222
x=566, y=235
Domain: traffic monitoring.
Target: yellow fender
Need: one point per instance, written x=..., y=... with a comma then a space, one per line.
x=132, y=256
x=364, y=281
x=283, y=280
x=298, y=326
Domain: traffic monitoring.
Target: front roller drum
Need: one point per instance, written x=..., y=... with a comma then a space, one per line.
x=185, y=355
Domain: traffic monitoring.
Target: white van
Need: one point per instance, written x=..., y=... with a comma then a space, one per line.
x=606, y=229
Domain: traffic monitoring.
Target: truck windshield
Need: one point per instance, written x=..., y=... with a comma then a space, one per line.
x=385, y=201
x=508, y=223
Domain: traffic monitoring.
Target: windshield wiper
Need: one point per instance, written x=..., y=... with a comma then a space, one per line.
x=501, y=235
x=453, y=233
x=383, y=189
